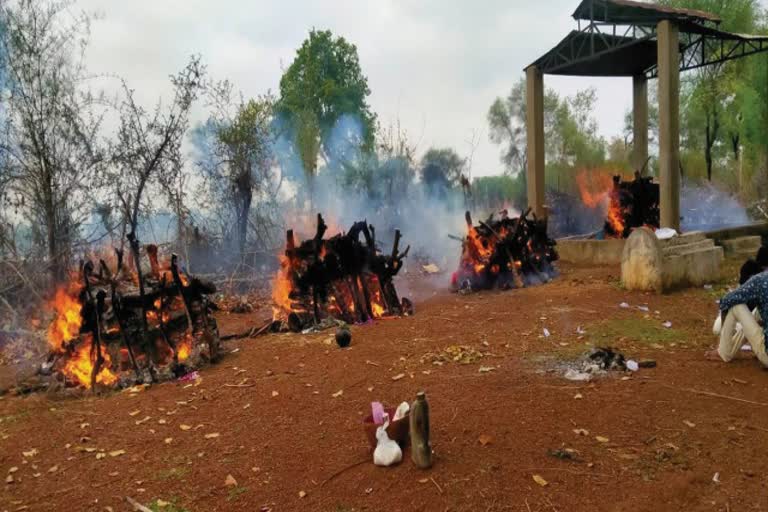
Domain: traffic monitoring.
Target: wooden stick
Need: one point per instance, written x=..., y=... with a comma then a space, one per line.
x=342, y=470
x=440, y=489
x=717, y=395
x=137, y=507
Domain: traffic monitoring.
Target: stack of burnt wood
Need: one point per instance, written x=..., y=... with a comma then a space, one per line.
x=504, y=252
x=344, y=278
x=122, y=323
x=633, y=204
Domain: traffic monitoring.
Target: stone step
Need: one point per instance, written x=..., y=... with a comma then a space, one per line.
x=675, y=250
x=743, y=244
x=684, y=239
x=694, y=267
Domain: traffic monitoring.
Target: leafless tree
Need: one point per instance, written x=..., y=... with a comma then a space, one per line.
x=236, y=160
x=53, y=155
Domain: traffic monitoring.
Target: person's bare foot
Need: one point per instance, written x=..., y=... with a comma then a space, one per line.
x=712, y=355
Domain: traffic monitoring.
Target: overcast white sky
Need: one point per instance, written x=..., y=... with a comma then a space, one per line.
x=436, y=65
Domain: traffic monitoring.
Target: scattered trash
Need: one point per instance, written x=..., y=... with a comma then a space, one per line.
x=398, y=376
x=624, y=305
x=343, y=337
x=189, y=377
x=418, y=429
x=716, y=478
x=213, y=435
x=546, y=333
x=643, y=308
x=486, y=369
x=338, y=393
x=601, y=439
x=230, y=481
x=632, y=366
x=377, y=412
x=581, y=432
x=578, y=396
x=708, y=287
x=401, y=411
x=578, y=376
x=387, y=451
x=563, y=454
x=746, y=347
x=539, y=480
x=689, y=424
x=667, y=324
x=580, y=331
x=431, y=268
x=665, y=233
x=302, y=494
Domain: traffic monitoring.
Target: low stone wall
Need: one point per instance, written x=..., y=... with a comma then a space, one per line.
x=590, y=251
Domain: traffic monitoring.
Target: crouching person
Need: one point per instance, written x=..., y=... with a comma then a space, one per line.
x=734, y=311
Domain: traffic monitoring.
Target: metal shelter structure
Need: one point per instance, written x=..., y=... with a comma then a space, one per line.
x=627, y=38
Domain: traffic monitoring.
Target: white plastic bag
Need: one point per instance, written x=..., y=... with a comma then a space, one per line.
x=401, y=411
x=387, y=451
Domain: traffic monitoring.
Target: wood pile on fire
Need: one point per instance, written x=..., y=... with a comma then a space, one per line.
x=505, y=252
x=633, y=204
x=342, y=278
x=117, y=324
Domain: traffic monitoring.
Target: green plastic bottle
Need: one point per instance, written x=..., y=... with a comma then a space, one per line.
x=421, y=449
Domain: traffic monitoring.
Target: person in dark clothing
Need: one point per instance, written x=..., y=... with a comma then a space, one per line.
x=752, y=267
x=734, y=310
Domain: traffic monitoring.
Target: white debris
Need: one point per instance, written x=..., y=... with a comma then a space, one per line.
x=632, y=365
x=579, y=330
x=547, y=334
x=665, y=233
x=746, y=348
x=572, y=374
x=667, y=324
x=643, y=308
x=624, y=305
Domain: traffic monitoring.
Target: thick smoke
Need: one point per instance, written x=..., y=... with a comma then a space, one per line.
x=377, y=186
x=706, y=207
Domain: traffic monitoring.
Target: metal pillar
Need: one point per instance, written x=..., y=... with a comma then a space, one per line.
x=669, y=123
x=640, y=123
x=535, y=140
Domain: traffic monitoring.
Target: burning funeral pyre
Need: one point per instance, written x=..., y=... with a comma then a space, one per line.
x=124, y=324
x=505, y=253
x=341, y=278
x=630, y=204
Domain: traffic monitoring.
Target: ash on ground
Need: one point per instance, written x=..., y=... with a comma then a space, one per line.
x=598, y=362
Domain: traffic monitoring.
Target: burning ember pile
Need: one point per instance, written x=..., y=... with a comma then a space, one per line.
x=505, y=253
x=629, y=204
x=130, y=325
x=340, y=278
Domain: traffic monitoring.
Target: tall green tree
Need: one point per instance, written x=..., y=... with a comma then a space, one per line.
x=323, y=83
x=442, y=168
x=711, y=109
x=570, y=129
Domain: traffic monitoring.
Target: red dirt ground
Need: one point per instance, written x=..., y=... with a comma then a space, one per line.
x=661, y=443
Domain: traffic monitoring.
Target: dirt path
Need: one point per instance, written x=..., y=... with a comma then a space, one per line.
x=653, y=442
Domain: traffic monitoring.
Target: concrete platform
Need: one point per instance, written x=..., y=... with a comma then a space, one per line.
x=650, y=264
x=746, y=246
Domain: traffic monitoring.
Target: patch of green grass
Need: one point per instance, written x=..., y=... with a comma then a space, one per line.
x=235, y=492
x=171, y=506
x=14, y=418
x=173, y=473
x=640, y=330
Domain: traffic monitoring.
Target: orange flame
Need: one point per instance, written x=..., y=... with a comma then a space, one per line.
x=281, y=287
x=80, y=365
x=597, y=190
x=67, y=321
x=184, y=349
